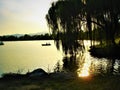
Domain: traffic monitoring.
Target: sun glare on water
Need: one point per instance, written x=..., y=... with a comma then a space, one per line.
x=85, y=70
x=84, y=73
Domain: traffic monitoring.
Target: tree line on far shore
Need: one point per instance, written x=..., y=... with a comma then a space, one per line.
x=46, y=36
x=26, y=37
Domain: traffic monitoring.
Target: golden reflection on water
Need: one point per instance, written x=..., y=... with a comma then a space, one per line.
x=84, y=73
x=89, y=65
x=84, y=69
x=84, y=62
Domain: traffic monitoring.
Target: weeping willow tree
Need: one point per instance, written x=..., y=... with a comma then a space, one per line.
x=105, y=14
x=66, y=18
x=62, y=18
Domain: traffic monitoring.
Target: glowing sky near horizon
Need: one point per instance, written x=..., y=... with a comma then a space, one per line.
x=23, y=16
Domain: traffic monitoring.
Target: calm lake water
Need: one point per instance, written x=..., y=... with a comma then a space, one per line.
x=24, y=56
x=21, y=56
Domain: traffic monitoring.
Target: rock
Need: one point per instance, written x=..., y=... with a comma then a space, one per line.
x=37, y=73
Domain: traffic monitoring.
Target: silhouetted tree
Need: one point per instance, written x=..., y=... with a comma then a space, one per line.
x=69, y=16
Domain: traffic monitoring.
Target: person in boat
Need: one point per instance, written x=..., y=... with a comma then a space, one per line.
x=47, y=44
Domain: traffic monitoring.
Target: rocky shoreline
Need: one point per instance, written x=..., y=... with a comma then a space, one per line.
x=38, y=74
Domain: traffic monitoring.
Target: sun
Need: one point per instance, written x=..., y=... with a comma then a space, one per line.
x=84, y=73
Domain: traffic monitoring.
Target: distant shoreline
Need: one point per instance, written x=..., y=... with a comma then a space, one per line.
x=26, y=37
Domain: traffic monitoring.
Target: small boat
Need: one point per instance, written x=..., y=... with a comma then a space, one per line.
x=1, y=43
x=46, y=44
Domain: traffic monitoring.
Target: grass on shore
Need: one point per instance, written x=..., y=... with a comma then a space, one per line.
x=88, y=83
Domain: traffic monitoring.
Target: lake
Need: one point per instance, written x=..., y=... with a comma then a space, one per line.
x=24, y=56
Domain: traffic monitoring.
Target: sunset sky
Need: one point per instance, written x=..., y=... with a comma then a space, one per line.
x=23, y=16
